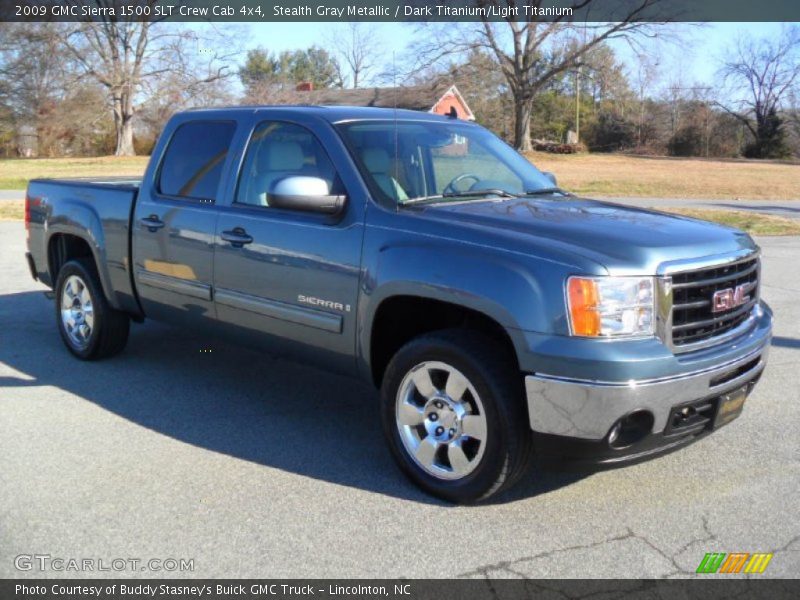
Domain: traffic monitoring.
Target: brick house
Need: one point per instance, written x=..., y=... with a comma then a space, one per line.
x=438, y=98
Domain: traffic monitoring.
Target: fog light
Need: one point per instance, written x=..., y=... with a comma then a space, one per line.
x=630, y=429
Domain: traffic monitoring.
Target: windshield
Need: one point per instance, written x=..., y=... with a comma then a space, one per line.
x=412, y=161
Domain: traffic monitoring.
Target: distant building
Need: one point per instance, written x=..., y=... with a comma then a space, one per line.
x=439, y=98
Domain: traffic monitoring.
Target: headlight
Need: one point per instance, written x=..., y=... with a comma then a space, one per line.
x=611, y=306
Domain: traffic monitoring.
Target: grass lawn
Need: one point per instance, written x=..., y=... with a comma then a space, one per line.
x=16, y=172
x=603, y=175
x=754, y=223
x=12, y=210
x=751, y=222
x=617, y=175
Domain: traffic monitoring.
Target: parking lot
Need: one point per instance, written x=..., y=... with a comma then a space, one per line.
x=251, y=466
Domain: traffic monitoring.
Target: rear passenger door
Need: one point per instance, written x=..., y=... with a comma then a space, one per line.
x=175, y=220
x=288, y=278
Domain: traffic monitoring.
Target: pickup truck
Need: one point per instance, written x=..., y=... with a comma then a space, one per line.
x=501, y=317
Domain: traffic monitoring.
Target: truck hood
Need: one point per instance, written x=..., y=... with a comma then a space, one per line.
x=621, y=238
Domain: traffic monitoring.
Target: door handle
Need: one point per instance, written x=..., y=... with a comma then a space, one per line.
x=153, y=223
x=237, y=237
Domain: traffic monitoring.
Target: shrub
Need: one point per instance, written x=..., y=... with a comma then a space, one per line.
x=558, y=147
x=610, y=133
x=687, y=141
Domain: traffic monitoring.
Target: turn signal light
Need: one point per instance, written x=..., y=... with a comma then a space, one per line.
x=611, y=306
x=583, y=306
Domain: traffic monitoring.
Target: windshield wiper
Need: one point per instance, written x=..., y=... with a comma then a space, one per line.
x=465, y=194
x=545, y=191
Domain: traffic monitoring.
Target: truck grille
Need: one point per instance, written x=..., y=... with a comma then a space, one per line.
x=693, y=319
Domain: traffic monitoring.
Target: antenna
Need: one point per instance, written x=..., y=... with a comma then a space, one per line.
x=394, y=112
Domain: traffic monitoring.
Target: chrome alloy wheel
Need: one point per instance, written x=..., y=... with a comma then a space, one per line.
x=77, y=311
x=441, y=420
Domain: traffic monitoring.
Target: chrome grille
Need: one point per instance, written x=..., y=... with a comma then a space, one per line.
x=693, y=319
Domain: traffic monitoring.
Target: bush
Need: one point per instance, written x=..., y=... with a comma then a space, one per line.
x=610, y=133
x=143, y=144
x=771, y=141
x=557, y=147
x=687, y=141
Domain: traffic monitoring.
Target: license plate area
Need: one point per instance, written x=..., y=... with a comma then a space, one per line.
x=730, y=406
x=691, y=417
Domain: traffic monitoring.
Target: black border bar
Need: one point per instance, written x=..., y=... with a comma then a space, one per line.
x=398, y=589
x=284, y=11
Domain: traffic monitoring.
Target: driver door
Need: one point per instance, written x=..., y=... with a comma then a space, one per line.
x=288, y=279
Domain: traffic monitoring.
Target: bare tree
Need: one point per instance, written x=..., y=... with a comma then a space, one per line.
x=163, y=96
x=40, y=91
x=762, y=74
x=645, y=74
x=356, y=46
x=529, y=52
x=123, y=56
x=32, y=72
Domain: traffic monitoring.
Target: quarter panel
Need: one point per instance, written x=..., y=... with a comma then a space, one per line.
x=99, y=215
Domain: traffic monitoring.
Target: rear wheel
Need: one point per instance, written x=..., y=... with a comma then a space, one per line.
x=89, y=327
x=454, y=415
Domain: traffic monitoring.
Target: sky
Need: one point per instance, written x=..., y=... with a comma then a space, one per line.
x=693, y=60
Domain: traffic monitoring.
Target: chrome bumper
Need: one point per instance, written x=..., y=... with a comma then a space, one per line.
x=588, y=409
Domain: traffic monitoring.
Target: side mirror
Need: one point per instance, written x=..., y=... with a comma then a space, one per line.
x=308, y=194
x=551, y=177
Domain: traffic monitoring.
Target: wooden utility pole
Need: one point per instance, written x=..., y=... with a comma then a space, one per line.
x=578, y=105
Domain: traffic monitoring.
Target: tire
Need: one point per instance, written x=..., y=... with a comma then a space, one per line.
x=434, y=393
x=93, y=334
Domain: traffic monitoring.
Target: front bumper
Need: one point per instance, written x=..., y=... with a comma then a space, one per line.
x=576, y=416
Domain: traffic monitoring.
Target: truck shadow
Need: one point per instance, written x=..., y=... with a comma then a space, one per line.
x=226, y=399
x=785, y=342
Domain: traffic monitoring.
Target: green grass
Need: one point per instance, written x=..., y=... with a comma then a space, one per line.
x=751, y=222
x=17, y=172
x=12, y=210
x=621, y=176
x=754, y=223
x=610, y=175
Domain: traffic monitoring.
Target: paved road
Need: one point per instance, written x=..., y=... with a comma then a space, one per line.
x=253, y=466
x=12, y=195
x=780, y=208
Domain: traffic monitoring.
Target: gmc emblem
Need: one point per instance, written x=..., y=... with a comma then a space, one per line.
x=730, y=298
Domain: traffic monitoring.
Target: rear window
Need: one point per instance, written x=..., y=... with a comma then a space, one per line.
x=192, y=166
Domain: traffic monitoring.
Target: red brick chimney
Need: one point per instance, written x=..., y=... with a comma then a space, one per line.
x=305, y=86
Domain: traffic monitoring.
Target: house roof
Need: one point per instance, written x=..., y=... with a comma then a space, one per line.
x=417, y=97
x=331, y=113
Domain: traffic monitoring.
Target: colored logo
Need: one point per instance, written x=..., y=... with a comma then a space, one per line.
x=731, y=297
x=735, y=562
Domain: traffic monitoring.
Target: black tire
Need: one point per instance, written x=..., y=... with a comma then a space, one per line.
x=109, y=331
x=490, y=369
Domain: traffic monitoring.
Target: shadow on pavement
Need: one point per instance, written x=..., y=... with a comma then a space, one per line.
x=785, y=342
x=235, y=401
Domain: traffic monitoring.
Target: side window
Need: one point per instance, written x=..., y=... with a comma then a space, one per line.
x=192, y=165
x=277, y=151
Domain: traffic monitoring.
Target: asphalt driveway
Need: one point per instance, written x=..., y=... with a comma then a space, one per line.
x=252, y=466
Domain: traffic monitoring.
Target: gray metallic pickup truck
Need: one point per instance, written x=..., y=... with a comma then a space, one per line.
x=501, y=317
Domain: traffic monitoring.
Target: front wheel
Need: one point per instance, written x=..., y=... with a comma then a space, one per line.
x=453, y=412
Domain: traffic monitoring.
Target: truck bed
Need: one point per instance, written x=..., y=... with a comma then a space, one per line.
x=100, y=207
x=104, y=182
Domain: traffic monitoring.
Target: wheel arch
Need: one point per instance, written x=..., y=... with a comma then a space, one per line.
x=399, y=318
x=64, y=245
